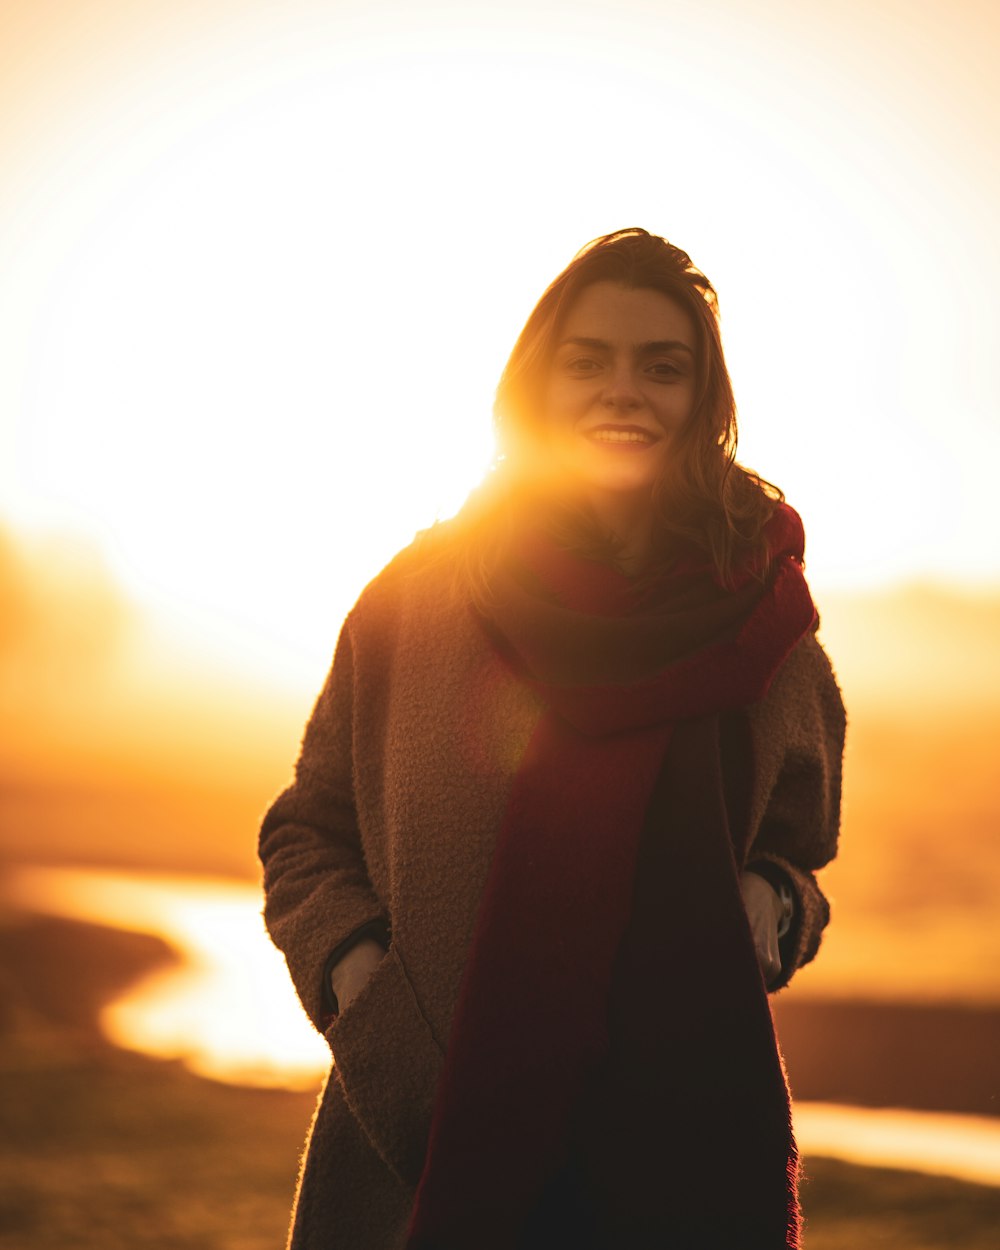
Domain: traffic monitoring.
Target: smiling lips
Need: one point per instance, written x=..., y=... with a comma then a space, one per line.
x=625, y=436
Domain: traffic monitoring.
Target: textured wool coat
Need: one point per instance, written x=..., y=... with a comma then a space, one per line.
x=399, y=792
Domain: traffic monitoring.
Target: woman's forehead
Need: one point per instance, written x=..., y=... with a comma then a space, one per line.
x=626, y=315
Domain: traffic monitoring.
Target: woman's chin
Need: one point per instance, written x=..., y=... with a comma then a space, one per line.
x=622, y=482
x=614, y=472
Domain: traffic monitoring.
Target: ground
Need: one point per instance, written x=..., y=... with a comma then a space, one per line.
x=103, y=1148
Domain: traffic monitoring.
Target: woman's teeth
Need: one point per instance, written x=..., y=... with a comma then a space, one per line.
x=620, y=436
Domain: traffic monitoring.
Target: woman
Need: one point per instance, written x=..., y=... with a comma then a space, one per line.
x=556, y=814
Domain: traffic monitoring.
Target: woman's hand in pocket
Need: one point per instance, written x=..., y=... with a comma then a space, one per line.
x=763, y=908
x=349, y=974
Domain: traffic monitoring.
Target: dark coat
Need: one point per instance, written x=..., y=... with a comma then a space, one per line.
x=399, y=791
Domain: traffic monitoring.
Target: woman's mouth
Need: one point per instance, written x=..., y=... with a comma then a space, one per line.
x=622, y=436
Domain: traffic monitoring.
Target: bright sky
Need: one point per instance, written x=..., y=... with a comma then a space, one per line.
x=263, y=263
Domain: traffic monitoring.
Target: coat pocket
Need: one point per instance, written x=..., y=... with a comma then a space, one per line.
x=389, y=1065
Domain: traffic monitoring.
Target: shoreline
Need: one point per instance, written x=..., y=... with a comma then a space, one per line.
x=936, y=1057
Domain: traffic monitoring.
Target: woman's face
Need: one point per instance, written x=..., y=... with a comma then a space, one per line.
x=620, y=386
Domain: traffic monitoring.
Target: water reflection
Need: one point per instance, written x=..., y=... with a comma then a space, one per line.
x=228, y=1011
x=965, y=1146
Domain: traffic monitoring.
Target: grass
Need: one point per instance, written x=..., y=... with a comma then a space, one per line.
x=120, y=1152
x=881, y=1209
x=105, y=1149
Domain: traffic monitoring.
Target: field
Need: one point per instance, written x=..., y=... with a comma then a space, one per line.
x=102, y=1148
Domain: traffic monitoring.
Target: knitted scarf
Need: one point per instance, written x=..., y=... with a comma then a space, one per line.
x=612, y=1075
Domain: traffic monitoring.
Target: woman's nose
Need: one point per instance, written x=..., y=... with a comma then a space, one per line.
x=621, y=392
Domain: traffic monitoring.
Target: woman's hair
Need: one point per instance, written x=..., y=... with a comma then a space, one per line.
x=702, y=496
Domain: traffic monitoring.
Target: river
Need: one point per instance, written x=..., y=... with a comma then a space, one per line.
x=227, y=1010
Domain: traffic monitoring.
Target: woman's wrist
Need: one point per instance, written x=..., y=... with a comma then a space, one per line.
x=374, y=931
x=350, y=974
x=784, y=892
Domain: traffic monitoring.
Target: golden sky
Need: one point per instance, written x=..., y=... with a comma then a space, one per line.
x=263, y=263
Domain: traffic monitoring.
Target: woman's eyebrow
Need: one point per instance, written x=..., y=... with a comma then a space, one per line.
x=656, y=345
x=664, y=345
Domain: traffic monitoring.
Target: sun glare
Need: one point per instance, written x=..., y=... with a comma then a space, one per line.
x=256, y=323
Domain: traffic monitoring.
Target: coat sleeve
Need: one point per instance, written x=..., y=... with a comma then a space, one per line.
x=799, y=827
x=317, y=892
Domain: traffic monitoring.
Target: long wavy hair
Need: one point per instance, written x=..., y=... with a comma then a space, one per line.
x=702, y=498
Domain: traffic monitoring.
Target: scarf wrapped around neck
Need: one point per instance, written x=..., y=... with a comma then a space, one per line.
x=612, y=1076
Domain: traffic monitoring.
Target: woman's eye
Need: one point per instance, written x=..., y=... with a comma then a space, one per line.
x=665, y=369
x=582, y=364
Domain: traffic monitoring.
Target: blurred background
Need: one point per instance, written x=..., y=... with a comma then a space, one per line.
x=262, y=265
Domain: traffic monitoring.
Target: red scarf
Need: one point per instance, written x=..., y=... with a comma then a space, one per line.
x=576, y=1045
